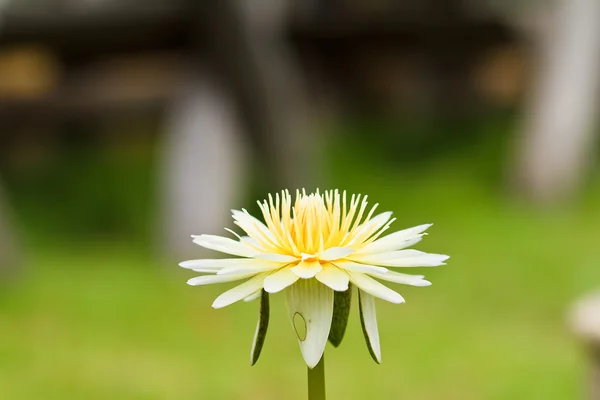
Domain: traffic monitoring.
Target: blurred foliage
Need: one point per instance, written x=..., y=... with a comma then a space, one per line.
x=91, y=184
x=478, y=144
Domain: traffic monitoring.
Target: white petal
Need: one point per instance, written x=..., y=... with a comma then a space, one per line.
x=396, y=240
x=313, y=302
x=371, y=226
x=259, y=267
x=282, y=258
x=206, y=270
x=375, y=288
x=335, y=253
x=377, y=221
x=240, y=292
x=253, y=296
x=198, y=265
x=403, y=258
x=210, y=279
x=252, y=226
x=218, y=264
x=247, y=240
x=307, y=269
x=406, y=279
x=333, y=277
x=357, y=267
x=224, y=245
x=279, y=280
x=369, y=323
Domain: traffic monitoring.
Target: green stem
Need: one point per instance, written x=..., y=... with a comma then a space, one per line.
x=316, y=381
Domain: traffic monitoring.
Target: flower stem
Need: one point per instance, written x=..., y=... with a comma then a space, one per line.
x=316, y=381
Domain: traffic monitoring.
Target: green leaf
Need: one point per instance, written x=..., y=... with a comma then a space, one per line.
x=261, y=327
x=368, y=321
x=341, y=312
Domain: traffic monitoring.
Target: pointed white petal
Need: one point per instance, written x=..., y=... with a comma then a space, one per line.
x=403, y=258
x=406, y=279
x=206, y=270
x=218, y=264
x=370, y=227
x=371, y=286
x=368, y=320
x=210, y=279
x=335, y=253
x=307, y=269
x=252, y=226
x=250, y=242
x=253, y=296
x=313, y=302
x=376, y=222
x=279, y=280
x=357, y=267
x=333, y=277
x=395, y=241
x=380, y=220
x=198, y=264
x=224, y=245
x=240, y=292
x=261, y=266
x=282, y=258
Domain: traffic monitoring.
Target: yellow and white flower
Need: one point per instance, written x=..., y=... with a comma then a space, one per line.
x=313, y=249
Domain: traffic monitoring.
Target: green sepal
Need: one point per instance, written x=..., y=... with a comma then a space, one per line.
x=261, y=327
x=341, y=312
x=375, y=334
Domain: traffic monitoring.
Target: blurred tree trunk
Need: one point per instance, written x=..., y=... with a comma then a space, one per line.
x=203, y=165
x=10, y=256
x=247, y=42
x=557, y=145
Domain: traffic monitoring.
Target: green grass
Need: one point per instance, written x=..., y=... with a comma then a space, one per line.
x=107, y=321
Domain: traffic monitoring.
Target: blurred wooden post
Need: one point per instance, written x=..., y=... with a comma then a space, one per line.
x=10, y=257
x=585, y=321
x=203, y=165
x=558, y=141
x=247, y=42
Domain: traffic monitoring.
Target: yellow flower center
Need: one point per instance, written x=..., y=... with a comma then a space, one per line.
x=314, y=223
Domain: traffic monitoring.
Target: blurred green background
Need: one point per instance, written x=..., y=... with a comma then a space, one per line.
x=96, y=315
x=123, y=131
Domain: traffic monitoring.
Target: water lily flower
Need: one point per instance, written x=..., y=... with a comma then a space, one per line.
x=314, y=249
